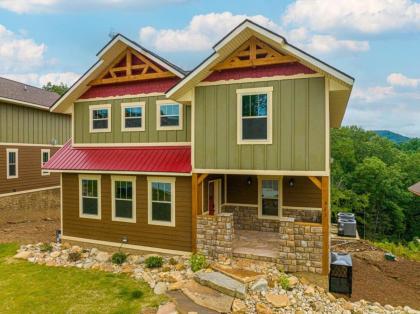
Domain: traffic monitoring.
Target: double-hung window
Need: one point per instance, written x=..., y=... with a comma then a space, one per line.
x=45, y=156
x=254, y=115
x=123, y=198
x=161, y=201
x=132, y=116
x=12, y=163
x=169, y=115
x=269, y=190
x=90, y=196
x=100, y=118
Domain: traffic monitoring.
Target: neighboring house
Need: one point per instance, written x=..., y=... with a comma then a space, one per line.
x=231, y=159
x=29, y=136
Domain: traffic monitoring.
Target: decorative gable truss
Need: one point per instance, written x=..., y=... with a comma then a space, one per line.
x=131, y=66
x=253, y=53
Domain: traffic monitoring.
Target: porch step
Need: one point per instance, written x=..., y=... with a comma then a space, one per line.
x=222, y=283
x=240, y=274
x=185, y=305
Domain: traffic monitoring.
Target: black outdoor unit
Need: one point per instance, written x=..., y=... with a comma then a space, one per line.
x=340, y=277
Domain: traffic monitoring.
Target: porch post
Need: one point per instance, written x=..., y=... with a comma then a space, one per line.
x=194, y=206
x=325, y=225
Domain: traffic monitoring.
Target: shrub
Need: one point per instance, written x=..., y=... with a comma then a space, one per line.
x=284, y=281
x=154, y=262
x=172, y=261
x=46, y=247
x=74, y=256
x=198, y=261
x=119, y=258
x=409, y=251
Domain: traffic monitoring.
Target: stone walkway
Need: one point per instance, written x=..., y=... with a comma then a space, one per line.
x=251, y=244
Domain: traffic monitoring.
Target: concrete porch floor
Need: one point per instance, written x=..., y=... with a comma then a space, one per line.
x=256, y=244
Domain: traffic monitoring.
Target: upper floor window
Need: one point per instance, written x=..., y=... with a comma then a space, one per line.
x=90, y=196
x=124, y=199
x=12, y=163
x=254, y=115
x=161, y=201
x=169, y=115
x=45, y=156
x=132, y=116
x=100, y=118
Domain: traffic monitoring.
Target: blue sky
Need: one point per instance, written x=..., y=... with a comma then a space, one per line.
x=375, y=41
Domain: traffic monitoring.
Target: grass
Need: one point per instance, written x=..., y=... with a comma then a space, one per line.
x=31, y=288
x=409, y=251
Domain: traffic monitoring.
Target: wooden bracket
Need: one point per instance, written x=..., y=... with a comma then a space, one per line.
x=202, y=178
x=316, y=181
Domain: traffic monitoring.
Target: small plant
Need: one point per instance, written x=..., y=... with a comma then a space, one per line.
x=172, y=261
x=154, y=262
x=166, y=269
x=198, y=261
x=284, y=281
x=119, y=258
x=74, y=256
x=46, y=247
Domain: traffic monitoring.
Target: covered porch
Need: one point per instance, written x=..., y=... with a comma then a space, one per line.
x=282, y=219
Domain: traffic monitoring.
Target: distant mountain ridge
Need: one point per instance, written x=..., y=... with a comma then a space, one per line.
x=395, y=137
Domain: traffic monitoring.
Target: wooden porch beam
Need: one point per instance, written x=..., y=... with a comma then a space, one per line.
x=202, y=177
x=316, y=181
x=325, y=191
x=194, y=206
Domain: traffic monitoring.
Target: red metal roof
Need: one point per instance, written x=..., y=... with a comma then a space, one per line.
x=176, y=159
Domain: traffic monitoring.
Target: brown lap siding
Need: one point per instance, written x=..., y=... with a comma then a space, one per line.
x=303, y=194
x=29, y=170
x=139, y=233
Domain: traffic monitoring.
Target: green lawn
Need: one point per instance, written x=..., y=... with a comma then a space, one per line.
x=31, y=288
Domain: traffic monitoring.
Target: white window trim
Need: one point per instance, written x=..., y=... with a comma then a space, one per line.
x=89, y=177
x=280, y=191
x=160, y=103
x=143, y=114
x=96, y=107
x=16, y=151
x=45, y=172
x=254, y=91
x=131, y=179
x=170, y=180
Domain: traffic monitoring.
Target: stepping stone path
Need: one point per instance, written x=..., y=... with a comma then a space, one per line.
x=222, y=283
x=185, y=305
x=242, y=275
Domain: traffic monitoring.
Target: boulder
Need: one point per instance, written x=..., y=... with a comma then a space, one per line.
x=238, y=307
x=23, y=255
x=160, y=288
x=260, y=285
x=102, y=257
x=309, y=290
x=293, y=281
x=222, y=283
x=261, y=308
x=55, y=254
x=278, y=300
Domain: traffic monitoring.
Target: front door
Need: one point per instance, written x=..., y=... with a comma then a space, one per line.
x=214, y=196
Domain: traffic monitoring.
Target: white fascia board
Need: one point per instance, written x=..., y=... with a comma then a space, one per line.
x=23, y=103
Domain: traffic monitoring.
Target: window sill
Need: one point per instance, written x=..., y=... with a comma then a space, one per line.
x=161, y=223
x=133, y=130
x=97, y=217
x=169, y=128
x=100, y=131
x=132, y=220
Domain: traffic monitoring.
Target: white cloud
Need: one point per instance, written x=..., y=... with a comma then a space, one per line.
x=203, y=31
x=48, y=6
x=19, y=54
x=367, y=16
x=68, y=78
x=398, y=79
x=372, y=94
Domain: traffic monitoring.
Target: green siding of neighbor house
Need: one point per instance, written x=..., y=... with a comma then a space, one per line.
x=82, y=133
x=25, y=125
x=298, y=128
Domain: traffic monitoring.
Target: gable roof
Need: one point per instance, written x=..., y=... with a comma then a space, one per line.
x=236, y=37
x=26, y=95
x=105, y=57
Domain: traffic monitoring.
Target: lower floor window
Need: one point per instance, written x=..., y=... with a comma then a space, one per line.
x=161, y=201
x=90, y=201
x=269, y=192
x=123, y=199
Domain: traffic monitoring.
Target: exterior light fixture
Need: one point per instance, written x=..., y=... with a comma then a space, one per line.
x=249, y=180
x=292, y=183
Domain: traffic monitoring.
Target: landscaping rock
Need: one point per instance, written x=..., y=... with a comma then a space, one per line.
x=23, y=255
x=55, y=254
x=102, y=257
x=160, y=288
x=261, y=308
x=239, y=307
x=310, y=290
x=168, y=308
x=242, y=275
x=76, y=249
x=293, y=281
x=222, y=283
x=276, y=300
x=260, y=285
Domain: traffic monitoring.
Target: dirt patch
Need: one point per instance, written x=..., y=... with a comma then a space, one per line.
x=376, y=279
x=28, y=226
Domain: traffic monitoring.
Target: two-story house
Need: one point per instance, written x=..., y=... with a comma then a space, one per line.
x=29, y=135
x=230, y=159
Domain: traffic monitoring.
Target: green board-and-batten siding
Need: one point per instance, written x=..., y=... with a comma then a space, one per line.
x=298, y=122
x=25, y=125
x=82, y=133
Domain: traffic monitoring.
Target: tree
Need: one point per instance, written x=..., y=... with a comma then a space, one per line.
x=59, y=89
